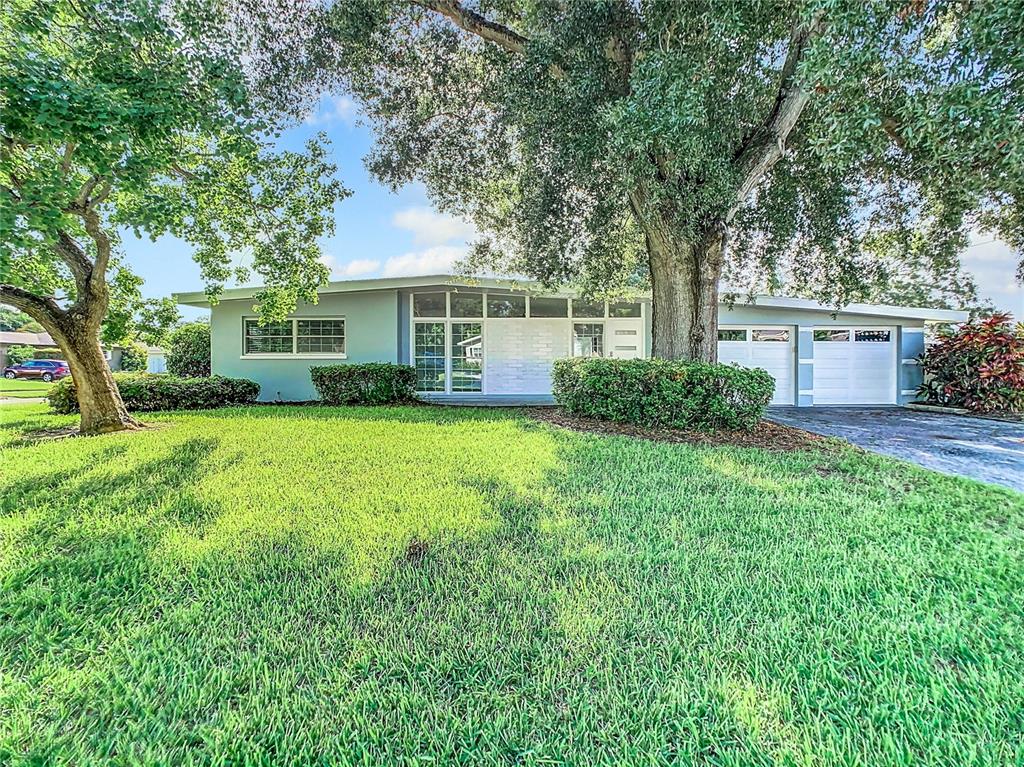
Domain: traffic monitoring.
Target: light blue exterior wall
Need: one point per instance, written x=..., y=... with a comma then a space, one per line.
x=371, y=335
x=378, y=329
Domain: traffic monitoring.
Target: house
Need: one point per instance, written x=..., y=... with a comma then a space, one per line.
x=37, y=341
x=491, y=340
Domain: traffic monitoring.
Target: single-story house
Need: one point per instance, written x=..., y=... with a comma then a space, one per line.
x=492, y=340
x=19, y=338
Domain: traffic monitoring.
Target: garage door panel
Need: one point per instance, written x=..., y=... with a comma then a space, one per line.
x=776, y=357
x=855, y=367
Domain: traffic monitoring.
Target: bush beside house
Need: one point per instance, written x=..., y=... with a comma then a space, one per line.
x=655, y=392
x=189, y=352
x=143, y=392
x=134, y=358
x=978, y=366
x=371, y=383
x=18, y=354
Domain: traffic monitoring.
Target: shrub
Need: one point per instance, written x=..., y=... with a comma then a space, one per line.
x=979, y=366
x=371, y=383
x=654, y=392
x=18, y=354
x=144, y=392
x=133, y=358
x=48, y=354
x=189, y=352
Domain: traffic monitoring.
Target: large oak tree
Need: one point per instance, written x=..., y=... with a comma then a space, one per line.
x=846, y=147
x=140, y=115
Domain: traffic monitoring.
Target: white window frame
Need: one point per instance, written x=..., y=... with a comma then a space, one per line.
x=294, y=354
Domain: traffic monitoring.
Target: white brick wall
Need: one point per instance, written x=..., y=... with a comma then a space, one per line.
x=518, y=354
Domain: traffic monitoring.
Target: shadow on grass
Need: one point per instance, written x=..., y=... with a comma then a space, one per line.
x=636, y=601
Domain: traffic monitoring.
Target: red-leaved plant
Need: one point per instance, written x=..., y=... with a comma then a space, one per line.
x=979, y=366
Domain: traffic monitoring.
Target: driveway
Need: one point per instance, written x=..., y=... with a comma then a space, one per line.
x=990, y=451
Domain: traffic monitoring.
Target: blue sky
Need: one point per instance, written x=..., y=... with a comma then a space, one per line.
x=383, y=234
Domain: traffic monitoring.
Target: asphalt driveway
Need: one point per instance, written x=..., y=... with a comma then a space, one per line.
x=990, y=451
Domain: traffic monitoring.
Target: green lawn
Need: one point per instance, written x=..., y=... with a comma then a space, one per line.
x=239, y=587
x=19, y=387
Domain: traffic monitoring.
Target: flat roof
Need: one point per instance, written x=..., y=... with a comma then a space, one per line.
x=200, y=299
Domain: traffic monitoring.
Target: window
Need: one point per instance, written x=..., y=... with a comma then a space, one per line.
x=429, y=305
x=831, y=335
x=581, y=308
x=623, y=309
x=506, y=306
x=545, y=306
x=275, y=338
x=467, y=305
x=467, y=356
x=321, y=336
x=428, y=354
x=306, y=336
x=872, y=336
x=732, y=334
x=770, y=334
x=587, y=339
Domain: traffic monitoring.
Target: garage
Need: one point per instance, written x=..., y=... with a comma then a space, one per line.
x=767, y=347
x=855, y=366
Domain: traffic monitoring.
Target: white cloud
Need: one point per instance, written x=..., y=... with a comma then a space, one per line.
x=436, y=260
x=429, y=227
x=334, y=109
x=993, y=264
x=356, y=268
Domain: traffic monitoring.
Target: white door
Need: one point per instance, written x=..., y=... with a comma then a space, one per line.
x=624, y=338
x=770, y=348
x=854, y=366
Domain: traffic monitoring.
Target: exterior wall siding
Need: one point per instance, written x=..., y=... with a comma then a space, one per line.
x=371, y=321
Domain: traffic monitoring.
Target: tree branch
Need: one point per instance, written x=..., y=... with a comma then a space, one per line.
x=73, y=255
x=477, y=24
x=43, y=309
x=764, y=147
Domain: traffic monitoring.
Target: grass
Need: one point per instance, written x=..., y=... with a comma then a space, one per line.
x=441, y=586
x=20, y=387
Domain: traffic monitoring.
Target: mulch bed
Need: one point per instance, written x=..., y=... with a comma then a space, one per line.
x=767, y=434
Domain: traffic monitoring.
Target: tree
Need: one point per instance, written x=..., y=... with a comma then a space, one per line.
x=18, y=354
x=613, y=142
x=155, y=319
x=133, y=358
x=12, y=319
x=141, y=115
x=189, y=352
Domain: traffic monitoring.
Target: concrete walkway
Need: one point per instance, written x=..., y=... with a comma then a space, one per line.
x=979, y=448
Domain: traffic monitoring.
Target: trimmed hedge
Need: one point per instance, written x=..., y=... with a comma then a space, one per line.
x=369, y=383
x=144, y=391
x=188, y=352
x=654, y=392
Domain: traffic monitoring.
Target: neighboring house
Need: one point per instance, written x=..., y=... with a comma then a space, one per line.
x=495, y=340
x=156, y=360
x=18, y=338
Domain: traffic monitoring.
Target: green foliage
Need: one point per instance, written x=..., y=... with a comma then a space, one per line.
x=31, y=327
x=12, y=319
x=134, y=358
x=18, y=354
x=368, y=383
x=653, y=392
x=145, y=392
x=599, y=123
x=49, y=353
x=465, y=586
x=154, y=320
x=188, y=352
x=978, y=366
x=144, y=115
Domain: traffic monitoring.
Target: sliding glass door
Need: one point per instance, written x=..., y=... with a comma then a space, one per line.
x=428, y=356
x=467, y=356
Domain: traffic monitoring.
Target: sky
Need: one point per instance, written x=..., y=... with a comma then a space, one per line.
x=383, y=234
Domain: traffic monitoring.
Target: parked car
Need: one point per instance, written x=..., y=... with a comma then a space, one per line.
x=46, y=370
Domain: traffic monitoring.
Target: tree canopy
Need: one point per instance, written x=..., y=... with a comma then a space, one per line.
x=141, y=116
x=841, y=148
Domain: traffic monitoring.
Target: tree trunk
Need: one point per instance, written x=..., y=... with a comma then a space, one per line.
x=99, y=401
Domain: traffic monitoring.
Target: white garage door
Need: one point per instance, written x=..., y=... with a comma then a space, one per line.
x=854, y=366
x=770, y=348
